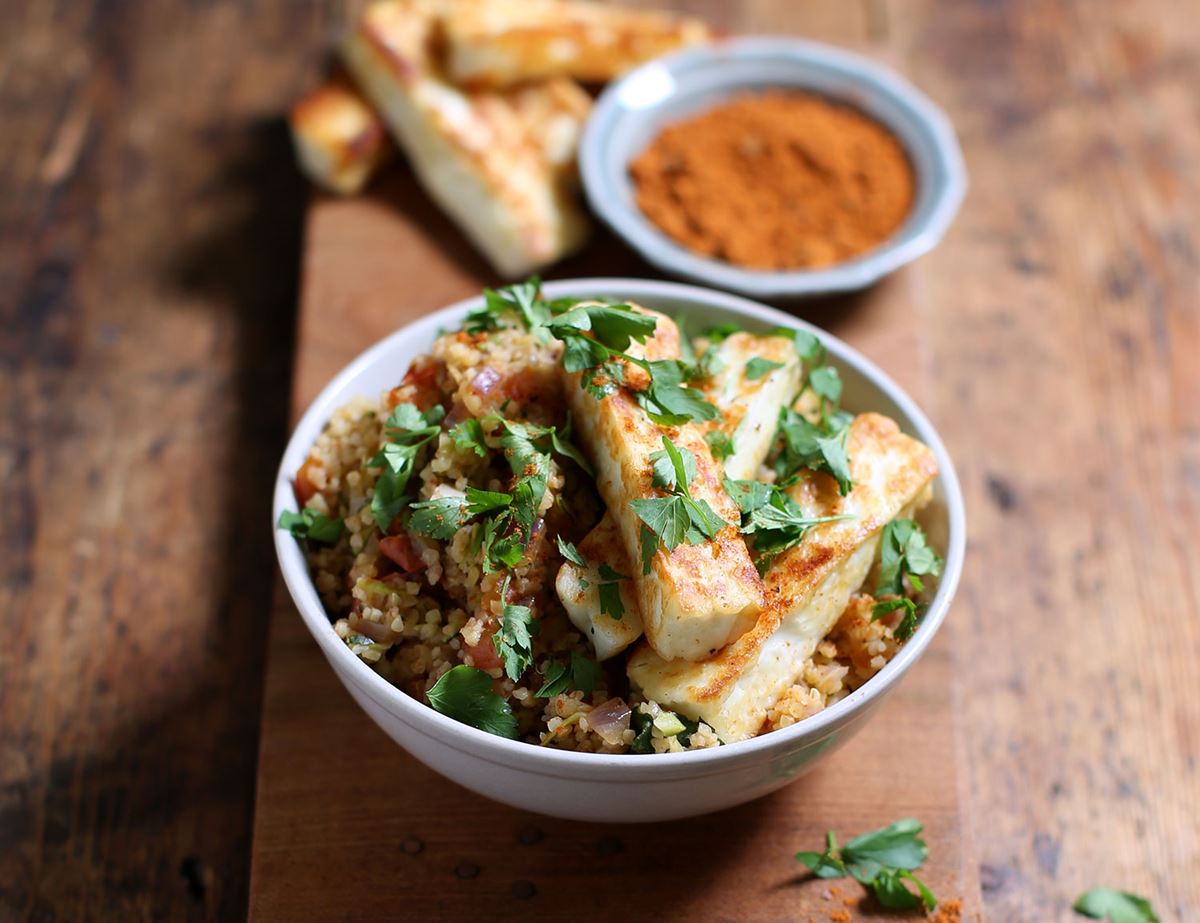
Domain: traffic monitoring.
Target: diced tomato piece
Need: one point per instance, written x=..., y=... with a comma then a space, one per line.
x=400, y=550
x=302, y=484
x=419, y=385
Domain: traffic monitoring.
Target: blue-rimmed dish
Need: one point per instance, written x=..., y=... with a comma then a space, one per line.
x=632, y=111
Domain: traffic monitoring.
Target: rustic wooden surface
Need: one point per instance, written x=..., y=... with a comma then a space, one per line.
x=150, y=227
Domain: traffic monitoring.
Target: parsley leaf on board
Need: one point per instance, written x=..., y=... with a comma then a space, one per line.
x=514, y=638
x=312, y=525
x=1115, y=906
x=465, y=694
x=580, y=674
x=882, y=860
x=759, y=367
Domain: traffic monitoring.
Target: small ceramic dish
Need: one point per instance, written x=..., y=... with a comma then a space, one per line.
x=622, y=787
x=632, y=111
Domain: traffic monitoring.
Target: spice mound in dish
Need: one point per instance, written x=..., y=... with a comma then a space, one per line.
x=778, y=180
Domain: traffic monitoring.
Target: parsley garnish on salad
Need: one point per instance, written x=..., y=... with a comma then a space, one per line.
x=608, y=586
x=882, y=860
x=601, y=358
x=774, y=519
x=580, y=674
x=312, y=525
x=514, y=638
x=677, y=517
x=405, y=433
x=904, y=553
x=465, y=694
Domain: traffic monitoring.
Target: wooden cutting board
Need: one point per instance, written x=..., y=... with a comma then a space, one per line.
x=349, y=827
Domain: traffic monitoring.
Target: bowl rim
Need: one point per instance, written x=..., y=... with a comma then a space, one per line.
x=527, y=757
x=905, y=104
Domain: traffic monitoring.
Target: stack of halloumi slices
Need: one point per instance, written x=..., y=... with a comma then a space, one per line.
x=710, y=638
x=483, y=97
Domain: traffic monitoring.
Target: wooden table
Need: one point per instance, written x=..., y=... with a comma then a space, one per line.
x=151, y=231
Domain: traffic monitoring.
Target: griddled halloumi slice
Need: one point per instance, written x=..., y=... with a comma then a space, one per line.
x=482, y=156
x=807, y=587
x=577, y=588
x=503, y=42
x=340, y=141
x=750, y=407
x=696, y=598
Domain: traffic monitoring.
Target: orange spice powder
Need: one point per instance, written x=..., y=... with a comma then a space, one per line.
x=777, y=180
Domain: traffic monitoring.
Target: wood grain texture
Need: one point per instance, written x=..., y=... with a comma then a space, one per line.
x=151, y=223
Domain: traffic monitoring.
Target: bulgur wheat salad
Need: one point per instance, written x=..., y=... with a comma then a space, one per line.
x=571, y=525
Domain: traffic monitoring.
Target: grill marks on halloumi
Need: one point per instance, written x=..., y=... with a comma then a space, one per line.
x=340, y=141
x=750, y=408
x=503, y=42
x=807, y=587
x=696, y=598
x=501, y=164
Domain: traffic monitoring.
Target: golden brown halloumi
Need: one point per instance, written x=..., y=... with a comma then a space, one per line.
x=807, y=587
x=499, y=43
x=501, y=164
x=577, y=588
x=749, y=408
x=696, y=598
x=340, y=141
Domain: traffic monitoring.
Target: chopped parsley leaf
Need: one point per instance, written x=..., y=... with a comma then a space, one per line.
x=514, y=638
x=882, y=860
x=826, y=382
x=609, y=589
x=439, y=519
x=312, y=525
x=776, y=521
x=406, y=431
x=468, y=436
x=465, y=694
x=479, y=501
x=677, y=517
x=816, y=446
x=720, y=444
x=579, y=674
x=570, y=552
x=601, y=357
x=1115, y=906
x=521, y=300
x=758, y=367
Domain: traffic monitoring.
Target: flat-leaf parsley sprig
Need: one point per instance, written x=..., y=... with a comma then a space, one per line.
x=1115, y=906
x=466, y=694
x=904, y=553
x=818, y=444
x=608, y=582
x=678, y=516
x=882, y=860
x=595, y=337
x=405, y=433
x=775, y=521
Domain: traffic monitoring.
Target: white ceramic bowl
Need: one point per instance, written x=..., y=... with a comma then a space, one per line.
x=588, y=786
x=632, y=111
